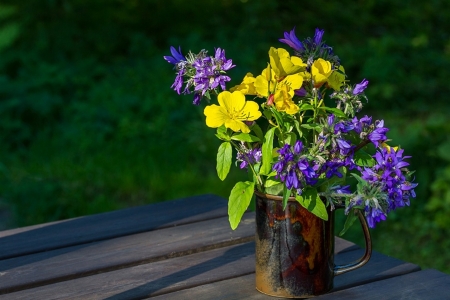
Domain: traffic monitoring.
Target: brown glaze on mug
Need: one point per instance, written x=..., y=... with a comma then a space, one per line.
x=294, y=249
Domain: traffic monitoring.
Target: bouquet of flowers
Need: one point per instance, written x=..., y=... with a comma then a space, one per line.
x=296, y=131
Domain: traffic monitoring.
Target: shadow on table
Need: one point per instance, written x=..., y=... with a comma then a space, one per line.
x=50, y=236
x=232, y=255
x=23, y=247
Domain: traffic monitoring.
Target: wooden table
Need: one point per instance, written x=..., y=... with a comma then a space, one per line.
x=182, y=249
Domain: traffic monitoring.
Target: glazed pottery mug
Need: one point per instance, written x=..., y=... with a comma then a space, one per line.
x=295, y=249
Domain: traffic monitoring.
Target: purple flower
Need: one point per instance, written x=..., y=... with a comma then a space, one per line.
x=379, y=134
x=178, y=83
x=294, y=169
x=298, y=147
x=176, y=56
x=318, y=36
x=341, y=189
x=374, y=215
x=301, y=92
x=248, y=156
x=197, y=99
x=389, y=173
x=343, y=145
x=360, y=87
x=210, y=72
x=201, y=73
x=292, y=41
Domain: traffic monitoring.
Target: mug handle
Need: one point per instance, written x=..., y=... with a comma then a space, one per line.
x=338, y=270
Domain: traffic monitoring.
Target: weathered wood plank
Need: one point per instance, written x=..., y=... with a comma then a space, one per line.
x=93, y=258
x=188, y=273
x=45, y=237
x=154, y=278
x=424, y=285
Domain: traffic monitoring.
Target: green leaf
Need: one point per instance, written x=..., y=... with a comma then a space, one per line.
x=276, y=189
x=278, y=117
x=268, y=114
x=336, y=111
x=351, y=217
x=245, y=137
x=310, y=200
x=267, y=148
x=306, y=106
x=363, y=159
x=360, y=180
x=271, y=182
x=257, y=130
x=313, y=126
x=240, y=198
x=286, y=195
x=297, y=126
x=290, y=138
x=224, y=160
x=222, y=133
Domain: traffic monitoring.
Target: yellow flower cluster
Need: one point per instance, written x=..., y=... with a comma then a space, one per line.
x=277, y=83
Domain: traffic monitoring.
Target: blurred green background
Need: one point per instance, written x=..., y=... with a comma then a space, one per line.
x=88, y=122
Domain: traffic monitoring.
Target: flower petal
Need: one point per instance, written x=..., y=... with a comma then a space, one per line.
x=216, y=116
x=231, y=102
x=251, y=111
x=237, y=125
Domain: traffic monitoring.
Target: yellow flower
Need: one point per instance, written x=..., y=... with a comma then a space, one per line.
x=265, y=83
x=320, y=70
x=282, y=91
x=232, y=112
x=282, y=64
x=336, y=79
x=283, y=99
x=247, y=87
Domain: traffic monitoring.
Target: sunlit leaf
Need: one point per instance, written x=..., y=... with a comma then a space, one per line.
x=224, y=157
x=240, y=198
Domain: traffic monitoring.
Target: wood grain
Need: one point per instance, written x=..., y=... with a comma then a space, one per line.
x=45, y=237
x=87, y=259
x=426, y=285
x=423, y=285
x=186, y=275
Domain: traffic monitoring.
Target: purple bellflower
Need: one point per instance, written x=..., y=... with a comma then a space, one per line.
x=360, y=87
x=176, y=56
x=203, y=74
x=318, y=36
x=292, y=41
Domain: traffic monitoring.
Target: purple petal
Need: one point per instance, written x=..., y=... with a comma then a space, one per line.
x=360, y=87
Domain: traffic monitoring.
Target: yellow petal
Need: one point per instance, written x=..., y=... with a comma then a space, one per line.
x=231, y=101
x=251, y=111
x=247, y=87
x=283, y=101
x=320, y=71
x=337, y=79
x=298, y=62
x=215, y=116
x=237, y=125
x=388, y=148
x=295, y=81
x=281, y=63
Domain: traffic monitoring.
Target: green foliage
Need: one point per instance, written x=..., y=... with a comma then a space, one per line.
x=224, y=160
x=239, y=200
x=312, y=202
x=89, y=123
x=266, y=150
